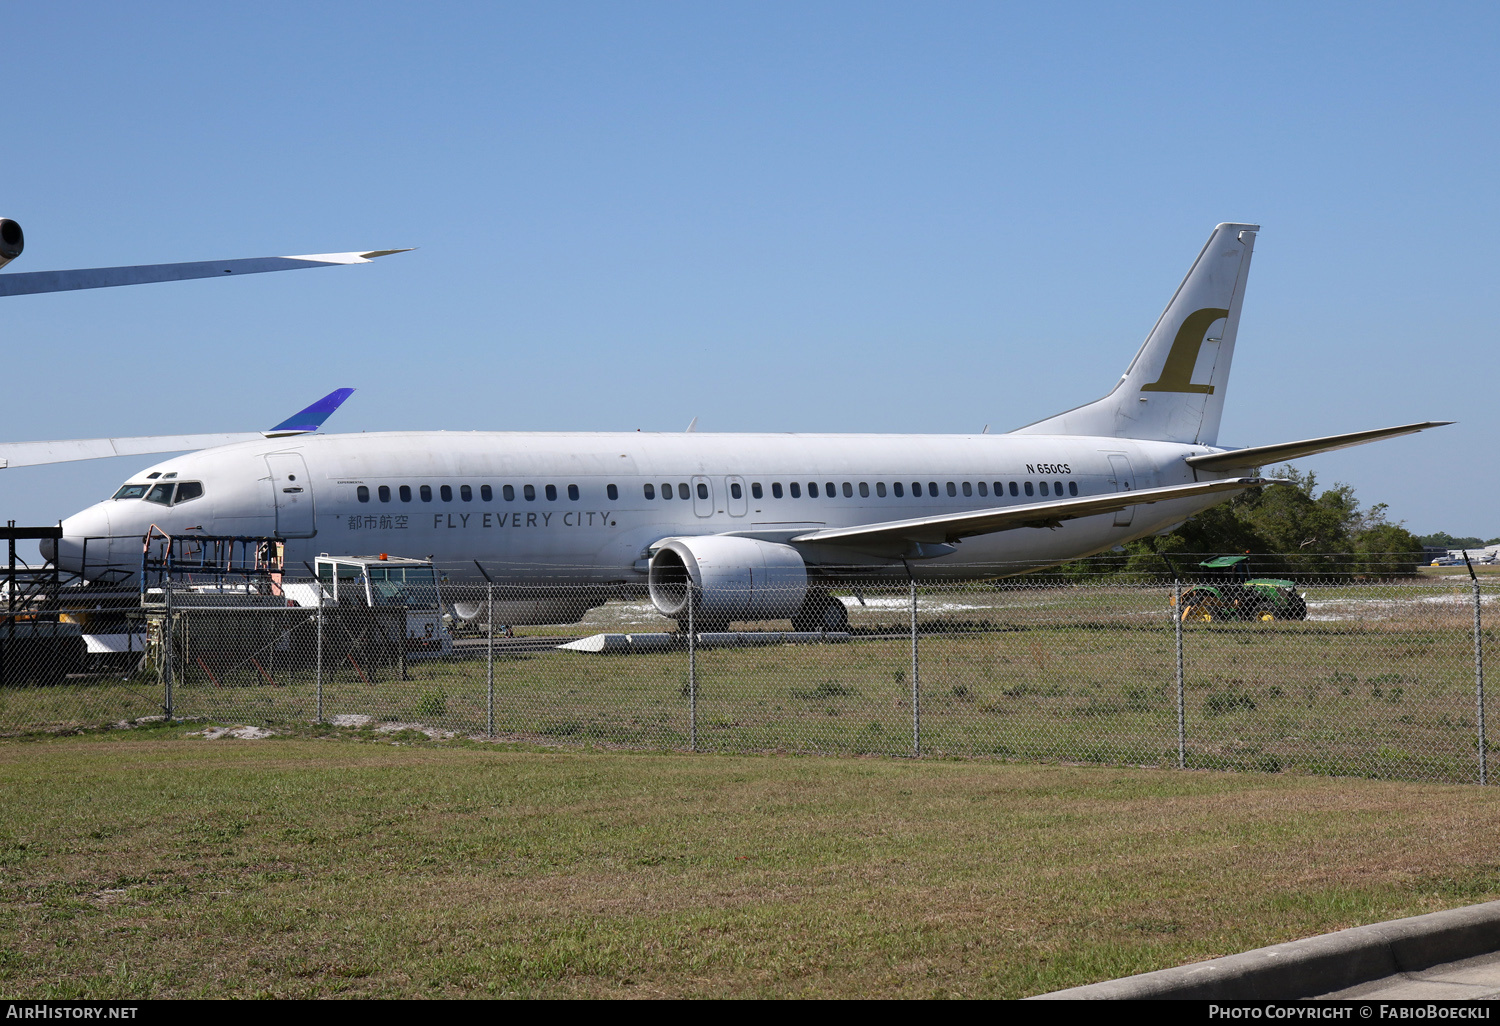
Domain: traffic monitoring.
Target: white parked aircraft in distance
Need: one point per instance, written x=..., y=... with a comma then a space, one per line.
x=760, y=526
x=25, y=454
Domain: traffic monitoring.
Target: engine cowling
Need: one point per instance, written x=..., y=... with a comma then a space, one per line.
x=731, y=579
x=12, y=241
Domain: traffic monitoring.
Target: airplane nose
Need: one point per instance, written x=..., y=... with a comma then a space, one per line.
x=49, y=549
x=85, y=542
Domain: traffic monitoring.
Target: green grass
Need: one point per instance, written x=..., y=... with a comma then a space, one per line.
x=143, y=865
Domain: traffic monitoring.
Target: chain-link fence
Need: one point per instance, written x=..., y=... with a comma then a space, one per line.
x=1338, y=675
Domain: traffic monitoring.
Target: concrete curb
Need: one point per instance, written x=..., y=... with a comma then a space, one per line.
x=1316, y=965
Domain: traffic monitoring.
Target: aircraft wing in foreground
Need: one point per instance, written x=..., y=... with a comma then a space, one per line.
x=30, y=454
x=33, y=282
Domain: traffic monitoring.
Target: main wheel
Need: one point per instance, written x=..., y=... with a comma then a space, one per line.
x=821, y=612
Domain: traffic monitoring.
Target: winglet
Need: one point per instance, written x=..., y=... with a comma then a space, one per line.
x=347, y=258
x=312, y=418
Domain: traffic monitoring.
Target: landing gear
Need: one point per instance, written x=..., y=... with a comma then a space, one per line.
x=821, y=612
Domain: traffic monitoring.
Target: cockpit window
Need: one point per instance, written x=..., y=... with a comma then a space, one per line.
x=162, y=493
x=188, y=490
x=131, y=491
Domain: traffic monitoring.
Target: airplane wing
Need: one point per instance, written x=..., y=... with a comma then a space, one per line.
x=1266, y=455
x=32, y=282
x=950, y=527
x=30, y=454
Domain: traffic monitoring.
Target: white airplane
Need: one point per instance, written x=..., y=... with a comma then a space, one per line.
x=760, y=525
x=26, y=454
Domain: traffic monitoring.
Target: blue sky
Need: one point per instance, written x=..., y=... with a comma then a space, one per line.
x=816, y=217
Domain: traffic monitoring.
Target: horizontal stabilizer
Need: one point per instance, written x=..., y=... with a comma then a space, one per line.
x=948, y=528
x=1267, y=455
x=33, y=282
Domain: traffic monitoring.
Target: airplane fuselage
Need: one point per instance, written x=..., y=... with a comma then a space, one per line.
x=588, y=507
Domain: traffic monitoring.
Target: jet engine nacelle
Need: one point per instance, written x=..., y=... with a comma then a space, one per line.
x=731, y=579
x=12, y=241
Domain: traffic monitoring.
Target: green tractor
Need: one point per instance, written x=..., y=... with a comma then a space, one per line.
x=1230, y=593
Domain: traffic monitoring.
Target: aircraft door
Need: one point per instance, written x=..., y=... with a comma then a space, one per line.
x=703, y=497
x=1124, y=480
x=291, y=485
x=736, y=501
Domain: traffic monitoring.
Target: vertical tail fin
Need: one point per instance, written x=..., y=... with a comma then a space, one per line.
x=1174, y=389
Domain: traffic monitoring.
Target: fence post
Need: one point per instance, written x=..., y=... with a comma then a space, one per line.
x=489, y=661
x=168, y=638
x=916, y=688
x=692, y=672
x=1177, y=630
x=318, y=666
x=1479, y=681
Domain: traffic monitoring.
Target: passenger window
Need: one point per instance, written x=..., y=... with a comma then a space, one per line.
x=192, y=489
x=952, y=490
x=796, y=490
x=613, y=492
x=406, y=493
x=362, y=493
x=509, y=492
x=755, y=490
x=702, y=490
x=1056, y=487
x=682, y=490
x=650, y=491
x=864, y=490
x=999, y=489
x=968, y=491
x=666, y=490
x=1028, y=488
x=932, y=489
x=899, y=489
x=552, y=493
x=849, y=490
x=385, y=493
x=812, y=489
x=776, y=489
x=486, y=493
x=1072, y=487
x=446, y=492
x=529, y=493
x=427, y=493
x=1044, y=487
x=735, y=491
x=982, y=489
x=880, y=489
x=1014, y=490
x=573, y=493
x=916, y=489
x=466, y=493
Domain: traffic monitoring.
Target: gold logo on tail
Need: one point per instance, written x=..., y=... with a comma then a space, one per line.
x=1177, y=372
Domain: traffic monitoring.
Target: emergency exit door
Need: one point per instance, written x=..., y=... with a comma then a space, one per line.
x=1124, y=482
x=291, y=486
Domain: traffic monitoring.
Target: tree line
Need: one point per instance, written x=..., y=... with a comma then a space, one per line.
x=1289, y=530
